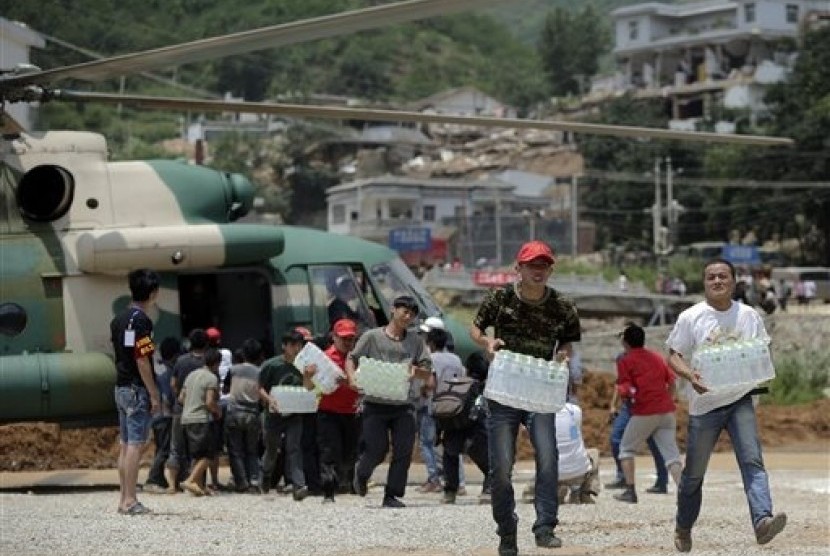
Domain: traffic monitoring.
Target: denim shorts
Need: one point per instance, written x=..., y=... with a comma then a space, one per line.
x=134, y=418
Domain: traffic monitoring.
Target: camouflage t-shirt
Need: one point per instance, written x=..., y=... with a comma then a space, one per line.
x=530, y=327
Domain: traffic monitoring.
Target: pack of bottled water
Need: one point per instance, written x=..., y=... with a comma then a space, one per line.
x=382, y=379
x=294, y=399
x=527, y=382
x=325, y=379
x=734, y=362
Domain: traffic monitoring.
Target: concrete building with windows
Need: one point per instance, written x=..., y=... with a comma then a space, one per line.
x=467, y=219
x=16, y=42
x=706, y=56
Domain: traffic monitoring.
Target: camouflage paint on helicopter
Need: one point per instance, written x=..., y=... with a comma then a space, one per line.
x=76, y=224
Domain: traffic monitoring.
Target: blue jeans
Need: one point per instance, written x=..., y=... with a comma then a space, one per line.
x=502, y=428
x=133, y=403
x=617, y=431
x=426, y=435
x=739, y=421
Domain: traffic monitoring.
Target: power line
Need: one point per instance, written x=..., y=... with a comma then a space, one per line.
x=707, y=182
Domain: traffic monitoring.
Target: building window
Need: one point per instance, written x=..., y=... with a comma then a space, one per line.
x=338, y=214
x=749, y=13
x=792, y=13
x=355, y=216
x=429, y=213
x=633, y=30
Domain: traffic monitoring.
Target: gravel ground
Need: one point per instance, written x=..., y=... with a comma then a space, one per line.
x=87, y=523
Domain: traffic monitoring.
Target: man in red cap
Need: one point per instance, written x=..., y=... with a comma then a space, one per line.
x=338, y=428
x=532, y=318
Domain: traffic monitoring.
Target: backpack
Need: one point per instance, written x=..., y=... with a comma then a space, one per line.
x=453, y=402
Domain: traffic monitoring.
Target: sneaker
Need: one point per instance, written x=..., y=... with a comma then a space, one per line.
x=546, y=539
x=619, y=484
x=392, y=502
x=683, y=539
x=768, y=527
x=328, y=499
x=508, y=545
x=462, y=490
x=657, y=489
x=430, y=486
x=449, y=497
x=360, y=486
x=485, y=497
x=628, y=495
x=300, y=494
x=153, y=488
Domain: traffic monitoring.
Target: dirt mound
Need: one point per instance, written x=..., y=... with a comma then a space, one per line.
x=39, y=446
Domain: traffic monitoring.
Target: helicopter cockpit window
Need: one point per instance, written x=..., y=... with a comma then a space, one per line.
x=336, y=288
x=45, y=193
x=394, y=278
x=12, y=319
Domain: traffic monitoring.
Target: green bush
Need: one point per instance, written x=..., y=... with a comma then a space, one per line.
x=799, y=378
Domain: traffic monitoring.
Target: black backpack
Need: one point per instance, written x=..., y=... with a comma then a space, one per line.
x=453, y=402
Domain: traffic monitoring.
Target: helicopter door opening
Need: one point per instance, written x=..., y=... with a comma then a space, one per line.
x=238, y=302
x=336, y=288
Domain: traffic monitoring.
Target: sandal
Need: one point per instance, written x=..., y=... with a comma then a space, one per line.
x=136, y=509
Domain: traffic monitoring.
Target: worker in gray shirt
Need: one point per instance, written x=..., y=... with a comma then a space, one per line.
x=393, y=343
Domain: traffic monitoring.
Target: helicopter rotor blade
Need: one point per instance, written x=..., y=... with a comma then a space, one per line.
x=284, y=34
x=340, y=113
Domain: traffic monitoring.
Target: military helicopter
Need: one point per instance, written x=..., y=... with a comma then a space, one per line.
x=74, y=224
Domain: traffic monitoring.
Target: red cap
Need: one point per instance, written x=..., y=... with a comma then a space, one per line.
x=213, y=334
x=306, y=333
x=345, y=328
x=533, y=250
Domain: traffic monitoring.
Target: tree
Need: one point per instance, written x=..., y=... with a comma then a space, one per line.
x=570, y=46
x=799, y=108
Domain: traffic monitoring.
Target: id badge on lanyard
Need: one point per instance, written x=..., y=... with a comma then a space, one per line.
x=129, y=333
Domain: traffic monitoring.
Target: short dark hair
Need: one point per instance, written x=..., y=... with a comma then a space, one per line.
x=634, y=336
x=293, y=337
x=251, y=350
x=170, y=348
x=477, y=365
x=212, y=357
x=720, y=260
x=406, y=301
x=198, y=338
x=438, y=338
x=143, y=282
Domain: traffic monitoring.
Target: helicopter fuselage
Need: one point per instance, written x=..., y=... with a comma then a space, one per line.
x=75, y=225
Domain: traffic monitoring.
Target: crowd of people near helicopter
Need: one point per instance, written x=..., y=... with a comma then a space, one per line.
x=200, y=405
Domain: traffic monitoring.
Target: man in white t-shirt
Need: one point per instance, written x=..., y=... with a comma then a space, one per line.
x=714, y=320
x=578, y=465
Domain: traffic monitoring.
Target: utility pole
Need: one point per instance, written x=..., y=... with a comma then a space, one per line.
x=656, y=211
x=574, y=216
x=669, y=205
x=499, y=257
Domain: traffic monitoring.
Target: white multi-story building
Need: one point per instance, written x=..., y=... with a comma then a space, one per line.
x=16, y=40
x=705, y=54
x=466, y=219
